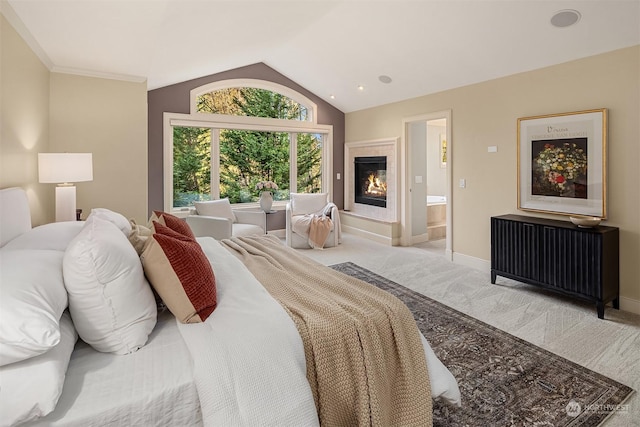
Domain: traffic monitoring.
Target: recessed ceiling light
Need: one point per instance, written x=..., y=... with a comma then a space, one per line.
x=384, y=79
x=332, y=96
x=360, y=88
x=565, y=18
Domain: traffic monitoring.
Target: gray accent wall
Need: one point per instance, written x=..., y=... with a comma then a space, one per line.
x=175, y=99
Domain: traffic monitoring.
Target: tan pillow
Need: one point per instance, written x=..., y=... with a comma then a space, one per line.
x=138, y=236
x=181, y=274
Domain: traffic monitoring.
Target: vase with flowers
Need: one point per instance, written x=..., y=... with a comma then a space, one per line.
x=266, y=195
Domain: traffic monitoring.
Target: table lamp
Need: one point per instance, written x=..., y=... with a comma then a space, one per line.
x=64, y=169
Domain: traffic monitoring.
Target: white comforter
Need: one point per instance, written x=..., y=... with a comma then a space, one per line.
x=249, y=363
x=248, y=358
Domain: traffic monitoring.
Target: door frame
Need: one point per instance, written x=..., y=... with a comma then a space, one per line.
x=406, y=182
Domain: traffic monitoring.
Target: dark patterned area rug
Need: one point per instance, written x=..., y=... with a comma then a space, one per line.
x=504, y=380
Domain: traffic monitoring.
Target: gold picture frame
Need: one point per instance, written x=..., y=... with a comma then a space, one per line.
x=562, y=163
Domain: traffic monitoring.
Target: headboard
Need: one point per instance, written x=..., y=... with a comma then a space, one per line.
x=15, y=215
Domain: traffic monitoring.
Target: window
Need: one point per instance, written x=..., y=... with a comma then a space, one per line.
x=309, y=161
x=251, y=102
x=248, y=157
x=239, y=135
x=191, y=165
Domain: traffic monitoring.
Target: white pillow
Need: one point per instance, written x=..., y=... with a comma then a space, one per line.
x=307, y=203
x=110, y=301
x=220, y=208
x=32, y=300
x=114, y=217
x=55, y=236
x=30, y=389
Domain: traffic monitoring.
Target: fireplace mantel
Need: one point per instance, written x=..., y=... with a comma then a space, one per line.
x=389, y=148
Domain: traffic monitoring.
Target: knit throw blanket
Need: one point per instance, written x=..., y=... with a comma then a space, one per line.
x=365, y=361
x=316, y=227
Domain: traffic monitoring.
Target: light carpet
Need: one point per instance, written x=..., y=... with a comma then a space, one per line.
x=564, y=326
x=503, y=380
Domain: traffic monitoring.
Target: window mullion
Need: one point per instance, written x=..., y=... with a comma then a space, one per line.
x=215, y=164
x=293, y=162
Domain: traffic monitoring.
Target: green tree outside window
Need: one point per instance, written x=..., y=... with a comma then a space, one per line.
x=246, y=156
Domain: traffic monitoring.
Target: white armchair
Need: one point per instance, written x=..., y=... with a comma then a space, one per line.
x=216, y=219
x=301, y=205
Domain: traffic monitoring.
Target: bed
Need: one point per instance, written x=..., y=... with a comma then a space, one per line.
x=244, y=365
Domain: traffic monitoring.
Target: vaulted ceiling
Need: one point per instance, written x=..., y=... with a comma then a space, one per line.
x=329, y=47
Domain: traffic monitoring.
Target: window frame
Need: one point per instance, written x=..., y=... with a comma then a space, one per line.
x=216, y=122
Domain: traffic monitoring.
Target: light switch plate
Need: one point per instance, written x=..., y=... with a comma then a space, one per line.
x=463, y=183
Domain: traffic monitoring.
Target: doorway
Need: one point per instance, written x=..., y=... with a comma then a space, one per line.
x=426, y=219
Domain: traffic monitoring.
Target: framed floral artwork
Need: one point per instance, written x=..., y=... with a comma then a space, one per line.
x=562, y=163
x=443, y=150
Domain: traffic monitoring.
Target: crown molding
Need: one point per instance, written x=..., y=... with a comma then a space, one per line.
x=97, y=74
x=12, y=17
x=15, y=21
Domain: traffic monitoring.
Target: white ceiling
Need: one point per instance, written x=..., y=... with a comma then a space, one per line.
x=329, y=47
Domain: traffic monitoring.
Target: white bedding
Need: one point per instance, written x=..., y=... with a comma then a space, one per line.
x=244, y=366
x=265, y=377
x=153, y=386
x=249, y=360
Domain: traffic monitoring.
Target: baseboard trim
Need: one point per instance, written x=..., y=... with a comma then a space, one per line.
x=471, y=261
x=419, y=238
x=368, y=235
x=629, y=304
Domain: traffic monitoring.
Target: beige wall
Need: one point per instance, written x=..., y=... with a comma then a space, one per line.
x=486, y=114
x=109, y=119
x=51, y=112
x=24, y=129
x=44, y=111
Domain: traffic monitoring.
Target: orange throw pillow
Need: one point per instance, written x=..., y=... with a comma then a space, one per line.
x=181, y=274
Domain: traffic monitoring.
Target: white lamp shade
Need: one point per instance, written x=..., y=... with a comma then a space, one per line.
x=65, y=167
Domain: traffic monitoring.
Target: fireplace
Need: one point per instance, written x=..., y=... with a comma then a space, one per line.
x=371, y=180
x=380, y=159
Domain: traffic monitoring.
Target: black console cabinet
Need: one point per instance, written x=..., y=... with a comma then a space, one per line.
x=557, y=255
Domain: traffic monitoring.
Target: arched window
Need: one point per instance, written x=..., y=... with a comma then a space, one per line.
x=251, y=102
x=240, y=133
x=234, y=97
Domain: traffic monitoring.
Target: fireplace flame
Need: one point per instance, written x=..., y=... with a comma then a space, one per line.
x=376, y=187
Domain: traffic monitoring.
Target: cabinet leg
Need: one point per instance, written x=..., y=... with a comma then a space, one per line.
x=600, y=308
x=493, y=277
x=616, y=303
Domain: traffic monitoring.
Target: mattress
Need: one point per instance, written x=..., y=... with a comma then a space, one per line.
x=153, y=386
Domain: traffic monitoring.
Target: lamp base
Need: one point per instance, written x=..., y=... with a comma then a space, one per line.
x=65, y=203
